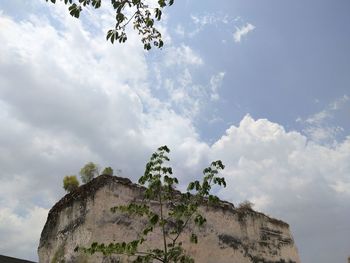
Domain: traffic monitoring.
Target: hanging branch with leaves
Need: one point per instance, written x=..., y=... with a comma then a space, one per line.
x=138, y=12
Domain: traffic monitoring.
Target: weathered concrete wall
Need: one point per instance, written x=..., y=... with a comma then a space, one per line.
x=230, y=235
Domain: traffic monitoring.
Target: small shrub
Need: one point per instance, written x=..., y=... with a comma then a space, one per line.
x=108, y=171
x=246, y=205
x=70, y=183
x=88, y=172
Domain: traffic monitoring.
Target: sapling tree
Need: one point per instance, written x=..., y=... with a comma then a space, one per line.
x=139, y=13
x=88, y=172
x=108, y=171
x=70, y=183
x=167, y=211
x=246, y=205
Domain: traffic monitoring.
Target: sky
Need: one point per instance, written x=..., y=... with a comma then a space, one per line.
x=262, y=85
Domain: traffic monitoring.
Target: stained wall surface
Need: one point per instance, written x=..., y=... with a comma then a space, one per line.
x=230, y=234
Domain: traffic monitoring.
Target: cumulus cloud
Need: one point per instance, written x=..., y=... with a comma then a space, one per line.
x=242, y=32
x=274, y=158
x=290, y=177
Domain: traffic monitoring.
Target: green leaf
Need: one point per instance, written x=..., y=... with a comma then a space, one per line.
x=190, y=186
x=158, y=14
x=147, y=230
x=96, y=3
x=161, y=44
x=116, y=4
x=120, y=17
x=154, y=219
x=161, y=3
x=194, y=238
x=199, y=220
x=75, y=10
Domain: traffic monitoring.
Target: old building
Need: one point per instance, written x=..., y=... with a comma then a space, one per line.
x=230, y=234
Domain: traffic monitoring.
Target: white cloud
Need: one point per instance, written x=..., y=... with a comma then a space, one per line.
x=173, y=74
x=221, y=22
x=323, y=133
x=182, y=55
x=242, y=32
x=21, y=232
x=215, y=84
x=201, y=21
x=210, y=19
x=68, y=97
x=189, y=98
x=341, y=187
x=339, y=103
x=179, y=30
x=318, y=118
x=289, y=177
x=318, y=126
x=262, y=151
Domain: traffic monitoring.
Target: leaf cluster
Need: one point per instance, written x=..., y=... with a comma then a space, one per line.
x=143, y=18
x=70, y=183
x=246, y=205
x=108, y=171
x=88, y=172
x=173, y=212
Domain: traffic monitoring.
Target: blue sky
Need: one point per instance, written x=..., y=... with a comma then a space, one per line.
x=292, y=65
x=262, y=85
